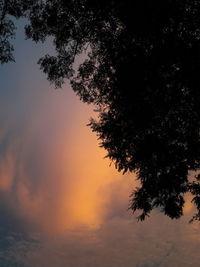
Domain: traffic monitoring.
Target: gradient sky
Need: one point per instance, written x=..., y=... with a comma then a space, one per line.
x=61, y=204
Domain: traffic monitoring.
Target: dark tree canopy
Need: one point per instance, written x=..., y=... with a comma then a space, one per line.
x=142, y=71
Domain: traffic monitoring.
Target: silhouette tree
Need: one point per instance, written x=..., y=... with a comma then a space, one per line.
x=142, y=71
x=10, y=10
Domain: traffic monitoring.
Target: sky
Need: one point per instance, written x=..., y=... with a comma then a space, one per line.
x=61, y=203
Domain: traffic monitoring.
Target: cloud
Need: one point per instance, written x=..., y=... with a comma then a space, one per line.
x=62, y=205
x=119, y=241
x=60, y=202
x=53, y=173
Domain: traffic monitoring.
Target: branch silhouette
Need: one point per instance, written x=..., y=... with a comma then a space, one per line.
x=142, y=71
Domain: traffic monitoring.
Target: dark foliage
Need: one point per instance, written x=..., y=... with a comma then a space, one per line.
x=10, y=10
x=143, y=72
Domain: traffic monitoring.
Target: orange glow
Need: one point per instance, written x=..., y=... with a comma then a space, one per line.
x=73, y=184
x=68, y=183
x=87, y=175
x=189, y=206
x=6, y=172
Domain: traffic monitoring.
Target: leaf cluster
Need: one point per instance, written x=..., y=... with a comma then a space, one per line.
x=142, y=71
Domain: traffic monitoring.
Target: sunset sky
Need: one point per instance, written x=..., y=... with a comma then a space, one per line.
x=61, y=203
